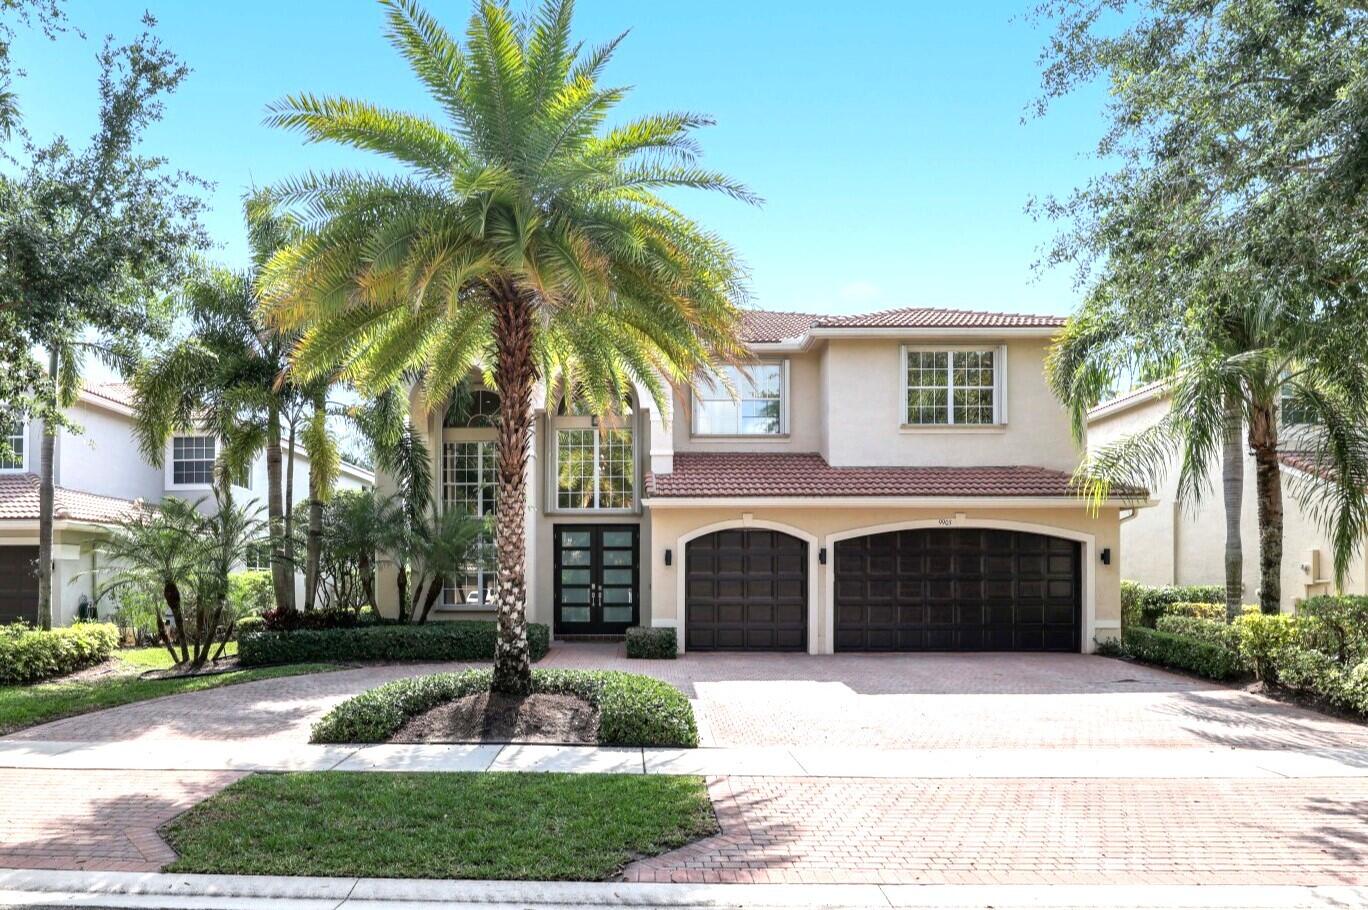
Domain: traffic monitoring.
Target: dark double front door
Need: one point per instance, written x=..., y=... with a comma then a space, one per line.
x=598, y=579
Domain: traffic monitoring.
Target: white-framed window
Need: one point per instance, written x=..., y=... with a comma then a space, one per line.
x=953, y=386
x=192, y=460
x=16, y=435
x=1295, y=414
x=258, y=557
x=594, y=465
x=758, y=410
x=470, y=483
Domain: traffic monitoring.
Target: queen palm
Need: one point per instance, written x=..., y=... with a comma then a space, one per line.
x=523, y=237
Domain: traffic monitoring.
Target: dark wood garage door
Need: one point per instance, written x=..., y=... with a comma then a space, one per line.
x=745, y=590
x=958, y=589
x=18, y=586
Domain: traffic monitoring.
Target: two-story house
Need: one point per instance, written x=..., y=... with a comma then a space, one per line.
x=1179, y=543
x=101, y=479
x=897, y=481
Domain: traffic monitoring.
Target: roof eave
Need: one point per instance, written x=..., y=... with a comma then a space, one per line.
x=925, y=502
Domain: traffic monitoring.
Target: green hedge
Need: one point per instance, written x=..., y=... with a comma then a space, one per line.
x=1211, y=631
x=652, y=643
x=1212, y=661
x=1142, y=605
x=28, y=655
x=634, y=710
x=457, y=640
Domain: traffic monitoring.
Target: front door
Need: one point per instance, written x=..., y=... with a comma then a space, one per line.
x=597, y=579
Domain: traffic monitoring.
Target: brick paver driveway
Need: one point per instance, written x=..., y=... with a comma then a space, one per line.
x=953, y=829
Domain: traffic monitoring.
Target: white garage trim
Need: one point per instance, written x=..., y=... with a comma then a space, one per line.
x=1086, y=559
x=746, y=522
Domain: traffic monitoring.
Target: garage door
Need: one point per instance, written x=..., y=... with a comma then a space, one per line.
x=959, y=589
x=18, y=586
x=745, y=590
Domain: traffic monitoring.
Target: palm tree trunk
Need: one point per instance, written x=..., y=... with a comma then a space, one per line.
x=515, y=373
x=275, y=500
x=289, y=516
x=46, y=496
x=1232, y=480
x=313, y=553
x=1263, y=440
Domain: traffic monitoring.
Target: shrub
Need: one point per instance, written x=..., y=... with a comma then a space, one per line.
x=1337, y=625
x=1211, y=631
x=1355, y=692
x=461, y=640
x=1150, y=603
x=652, y=643
x=1203, y=658
x=28, y=655
x=1263, y=637
x=1211, y=611
x=250, y=593
x=1130, y=603
x=634, y=710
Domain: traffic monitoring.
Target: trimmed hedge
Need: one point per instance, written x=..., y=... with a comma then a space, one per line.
x=634, y=710
x=1213, y=632
x=1211, y=661
x=1142, y=605
x=652, y=643
x=457, y=640
x=29, y=655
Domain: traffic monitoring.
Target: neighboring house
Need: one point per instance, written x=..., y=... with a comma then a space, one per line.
x=893, y=481
x=1175, y=544
x=102, y=479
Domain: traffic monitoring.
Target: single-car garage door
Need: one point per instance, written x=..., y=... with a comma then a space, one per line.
x=18, y=586
x=958, y=589
x=745, y=590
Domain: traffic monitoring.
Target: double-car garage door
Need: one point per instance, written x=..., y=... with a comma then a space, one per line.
x=924, y=589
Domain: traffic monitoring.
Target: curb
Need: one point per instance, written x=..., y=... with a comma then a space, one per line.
x=24, y=887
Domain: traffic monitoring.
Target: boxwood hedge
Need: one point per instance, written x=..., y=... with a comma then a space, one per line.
x=652, y=643
x=1210, y=660
x=28, y=655
x=459, y=640
x=634, y=710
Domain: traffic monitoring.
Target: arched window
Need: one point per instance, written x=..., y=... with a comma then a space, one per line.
x=479, y=408
x=469, y=483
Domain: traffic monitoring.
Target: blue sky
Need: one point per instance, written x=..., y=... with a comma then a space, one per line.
x=886, y=137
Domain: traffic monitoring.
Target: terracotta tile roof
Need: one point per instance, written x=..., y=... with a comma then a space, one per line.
x=1308, y=463
x=768, y=326
x=936, y=318
x=117, y=392
x=19, y=500
x=729, y=474
x=1125, y=400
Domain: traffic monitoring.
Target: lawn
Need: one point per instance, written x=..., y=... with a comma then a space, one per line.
x=540, y=827
x=25, y=706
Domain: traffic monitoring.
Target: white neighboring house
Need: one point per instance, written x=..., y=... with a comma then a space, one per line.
x=1174, y=544
x=101, y=479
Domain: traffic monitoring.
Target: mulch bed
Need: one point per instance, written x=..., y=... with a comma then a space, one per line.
x=487, y=718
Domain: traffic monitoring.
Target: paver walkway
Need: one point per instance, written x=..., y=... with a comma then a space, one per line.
x=1211, y=822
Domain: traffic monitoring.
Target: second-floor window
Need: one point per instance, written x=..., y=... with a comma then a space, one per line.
x=192, y=460
x=1296, y=413
x=757, y=409
x=14, y=436
x=952, y=387
x=595, y=461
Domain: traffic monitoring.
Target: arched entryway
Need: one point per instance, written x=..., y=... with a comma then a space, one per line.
x=746, y=589
x=958, y=589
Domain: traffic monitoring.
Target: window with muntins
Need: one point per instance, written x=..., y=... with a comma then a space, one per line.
x=595, y=465
x=951, y=387
x=1296, y=413
x=15, y=436
x=192, y=460
x=470, y=484
x=758, y=409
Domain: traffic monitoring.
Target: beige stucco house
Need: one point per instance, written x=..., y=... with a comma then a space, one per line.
x=893, y=481
x=1177, y=544
x=101, y=479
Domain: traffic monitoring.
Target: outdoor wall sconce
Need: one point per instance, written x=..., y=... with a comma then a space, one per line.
x=821, y=555
x=1106, y=556
x=669, y=556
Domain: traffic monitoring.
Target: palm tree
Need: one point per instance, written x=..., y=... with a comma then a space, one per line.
x=1229, y=368
x=225, y=378
x=523, y=238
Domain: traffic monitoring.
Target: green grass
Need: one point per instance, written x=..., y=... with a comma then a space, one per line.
x=25, y=706
x=539, y=827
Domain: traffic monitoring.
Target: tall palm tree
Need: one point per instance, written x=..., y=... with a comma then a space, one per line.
x=1230, y=367
x=523, y=238
x=226, y=378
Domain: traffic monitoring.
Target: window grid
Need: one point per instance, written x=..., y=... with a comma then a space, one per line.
x=595, y=468
x=14, y=435
x=470, y=483
x=951, y=388
x=192, y=459
x=757, y=411
x=1294, y=414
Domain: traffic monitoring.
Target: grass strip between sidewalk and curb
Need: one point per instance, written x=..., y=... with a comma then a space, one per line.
x=508, y=826
x=39, y=703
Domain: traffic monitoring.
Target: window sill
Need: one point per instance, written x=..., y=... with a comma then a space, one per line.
x=739, y=437
x=464, y=608
x=951, y=428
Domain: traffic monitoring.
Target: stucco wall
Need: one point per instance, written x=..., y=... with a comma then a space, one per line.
x=804, y=416
x=104, y=458
x=671, y=526
x=864, y=401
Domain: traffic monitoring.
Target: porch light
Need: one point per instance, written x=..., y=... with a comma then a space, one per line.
x=1106, y=556
x=669, y=556
x=821, y=555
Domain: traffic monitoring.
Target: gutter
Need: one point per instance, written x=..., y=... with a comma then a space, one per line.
x=926, y=502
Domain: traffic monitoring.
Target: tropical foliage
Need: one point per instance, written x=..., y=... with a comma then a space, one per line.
x=521, y=238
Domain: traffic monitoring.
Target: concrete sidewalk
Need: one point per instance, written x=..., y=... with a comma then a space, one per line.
x=1071, y=763
x=24, y=888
